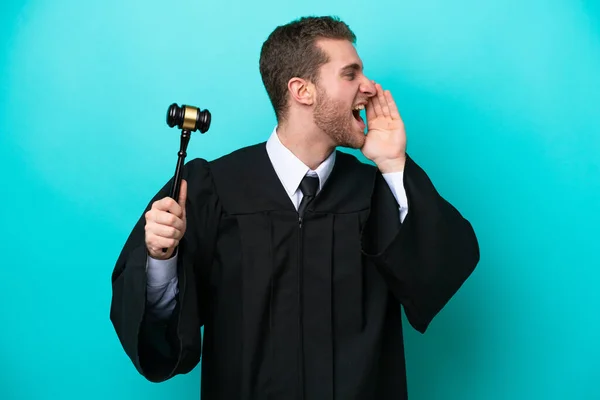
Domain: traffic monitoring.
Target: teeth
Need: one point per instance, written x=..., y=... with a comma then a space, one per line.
x=359, y=107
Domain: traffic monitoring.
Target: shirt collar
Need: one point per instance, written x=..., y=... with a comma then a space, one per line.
x=290, y=169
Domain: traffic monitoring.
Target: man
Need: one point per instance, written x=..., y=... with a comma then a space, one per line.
x=294, y=257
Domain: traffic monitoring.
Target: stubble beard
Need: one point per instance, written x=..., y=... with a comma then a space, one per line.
x=334, y=118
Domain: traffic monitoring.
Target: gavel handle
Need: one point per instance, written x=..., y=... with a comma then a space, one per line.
x=176, y=186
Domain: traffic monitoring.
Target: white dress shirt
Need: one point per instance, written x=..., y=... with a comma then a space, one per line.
x=162, y=274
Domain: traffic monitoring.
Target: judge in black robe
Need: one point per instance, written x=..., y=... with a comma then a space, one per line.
x=289, y=310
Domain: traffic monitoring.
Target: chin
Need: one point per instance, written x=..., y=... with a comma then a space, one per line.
x=344, y=131
x=353, y=140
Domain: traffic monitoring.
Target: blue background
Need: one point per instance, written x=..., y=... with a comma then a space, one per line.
x=501, y=100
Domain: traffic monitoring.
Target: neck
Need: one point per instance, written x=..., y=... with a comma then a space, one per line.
x=307, y=142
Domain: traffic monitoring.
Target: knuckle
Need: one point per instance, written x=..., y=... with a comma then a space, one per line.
x=158, y=204
x=177, y=210
x=179, y=234
x=150, y=242
x=172, y=232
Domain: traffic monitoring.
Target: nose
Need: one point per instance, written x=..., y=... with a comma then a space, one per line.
x=368, y=87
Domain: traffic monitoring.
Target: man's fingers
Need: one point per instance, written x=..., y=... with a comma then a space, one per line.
x=376, y=106
x=165, y=223
x=165, y=218
x=169, y=205
x=394, y=113
x=370, y=109
x=164, y=231
x=183, y=195
x=385, y=109
x=156, y=243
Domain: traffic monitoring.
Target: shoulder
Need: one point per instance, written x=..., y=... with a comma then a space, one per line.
x=226, y=175
x=351, y=163
x=230, y=161
x=239, y=157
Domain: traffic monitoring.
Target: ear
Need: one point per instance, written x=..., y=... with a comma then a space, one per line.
x=301, y=91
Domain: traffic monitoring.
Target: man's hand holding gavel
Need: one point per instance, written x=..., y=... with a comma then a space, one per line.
x=166, y=224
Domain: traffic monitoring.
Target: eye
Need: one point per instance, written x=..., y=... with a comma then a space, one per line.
x=351, y=75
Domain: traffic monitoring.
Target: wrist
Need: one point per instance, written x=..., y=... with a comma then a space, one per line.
x=159, y=255
x=391, y=165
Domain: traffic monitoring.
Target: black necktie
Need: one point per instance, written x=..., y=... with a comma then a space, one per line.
x=308, y=186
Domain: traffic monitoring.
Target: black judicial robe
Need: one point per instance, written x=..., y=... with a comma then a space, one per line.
x=295, y=310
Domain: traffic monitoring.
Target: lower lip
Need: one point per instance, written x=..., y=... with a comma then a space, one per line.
x=360, y=123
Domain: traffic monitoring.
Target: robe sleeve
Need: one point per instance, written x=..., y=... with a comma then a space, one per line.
x=425, y=259
x=159, y=349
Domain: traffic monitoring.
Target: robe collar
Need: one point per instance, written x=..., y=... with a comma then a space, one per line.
x=290, y=169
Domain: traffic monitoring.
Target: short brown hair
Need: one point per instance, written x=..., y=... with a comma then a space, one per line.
x=290, y=51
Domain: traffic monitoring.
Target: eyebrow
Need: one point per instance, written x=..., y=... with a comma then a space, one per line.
x=351, y=68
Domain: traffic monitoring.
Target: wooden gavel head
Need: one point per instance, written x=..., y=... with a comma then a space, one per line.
x=188, y=118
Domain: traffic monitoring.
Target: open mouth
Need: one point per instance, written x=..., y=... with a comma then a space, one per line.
x=356, y=113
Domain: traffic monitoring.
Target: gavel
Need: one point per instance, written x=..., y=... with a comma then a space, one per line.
x=189, y=119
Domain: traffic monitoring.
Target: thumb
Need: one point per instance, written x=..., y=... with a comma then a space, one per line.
x=183, y=195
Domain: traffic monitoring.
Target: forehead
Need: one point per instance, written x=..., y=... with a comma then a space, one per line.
x=340, y=52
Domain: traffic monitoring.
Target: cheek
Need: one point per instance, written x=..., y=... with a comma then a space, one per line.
x=351, y=89
x=345, y=88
